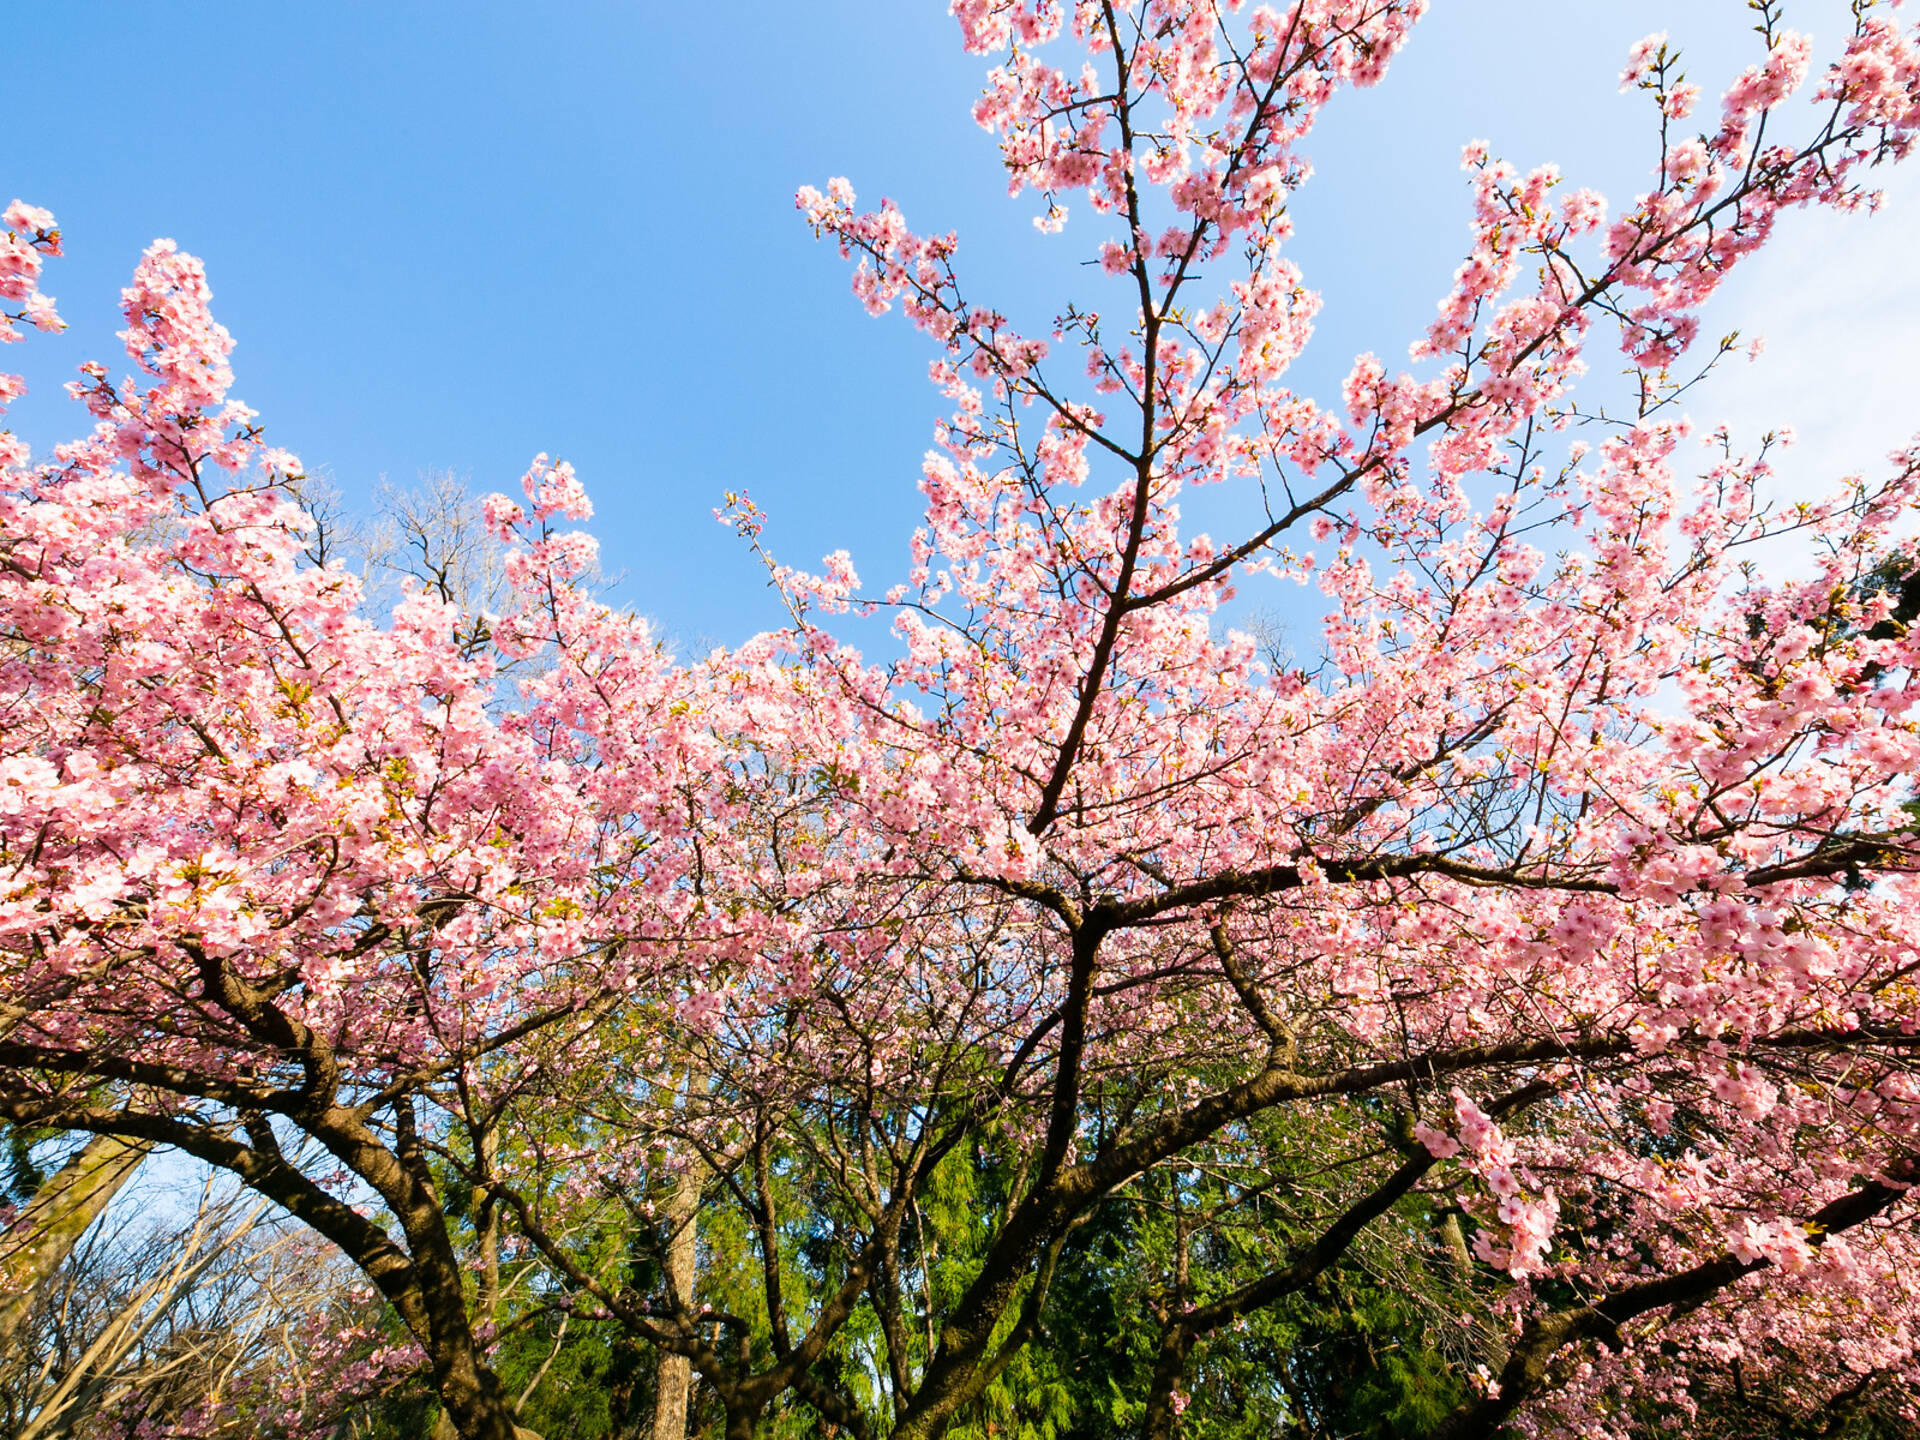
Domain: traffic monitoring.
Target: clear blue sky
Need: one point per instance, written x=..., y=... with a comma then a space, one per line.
x=452, y=236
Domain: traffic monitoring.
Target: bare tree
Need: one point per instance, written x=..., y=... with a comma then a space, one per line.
x=147, y=1320
x=431, y=534
x=64, y=1205
x=339, y=536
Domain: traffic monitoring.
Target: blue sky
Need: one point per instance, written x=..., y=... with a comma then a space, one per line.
x=452, y=236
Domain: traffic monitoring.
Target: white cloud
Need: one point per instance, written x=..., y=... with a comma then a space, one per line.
x=1837, y=298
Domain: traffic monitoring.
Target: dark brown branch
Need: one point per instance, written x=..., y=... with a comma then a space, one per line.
x=1529, y=1366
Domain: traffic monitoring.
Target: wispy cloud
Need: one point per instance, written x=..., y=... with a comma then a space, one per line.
x=1837, y=298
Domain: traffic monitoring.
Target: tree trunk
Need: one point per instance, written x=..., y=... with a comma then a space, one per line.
x=486, y=1227
x=1490, y=1346
x=45, y=1232
x=674, y=1378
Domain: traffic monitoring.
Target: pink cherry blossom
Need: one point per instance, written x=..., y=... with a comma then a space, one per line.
x=1571, y=863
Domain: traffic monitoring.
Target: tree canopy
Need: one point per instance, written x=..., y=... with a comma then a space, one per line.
x=1075, y=1019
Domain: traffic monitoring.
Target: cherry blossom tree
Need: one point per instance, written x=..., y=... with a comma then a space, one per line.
x=1608, y=834
x=1570, y=891
x=274, y=871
